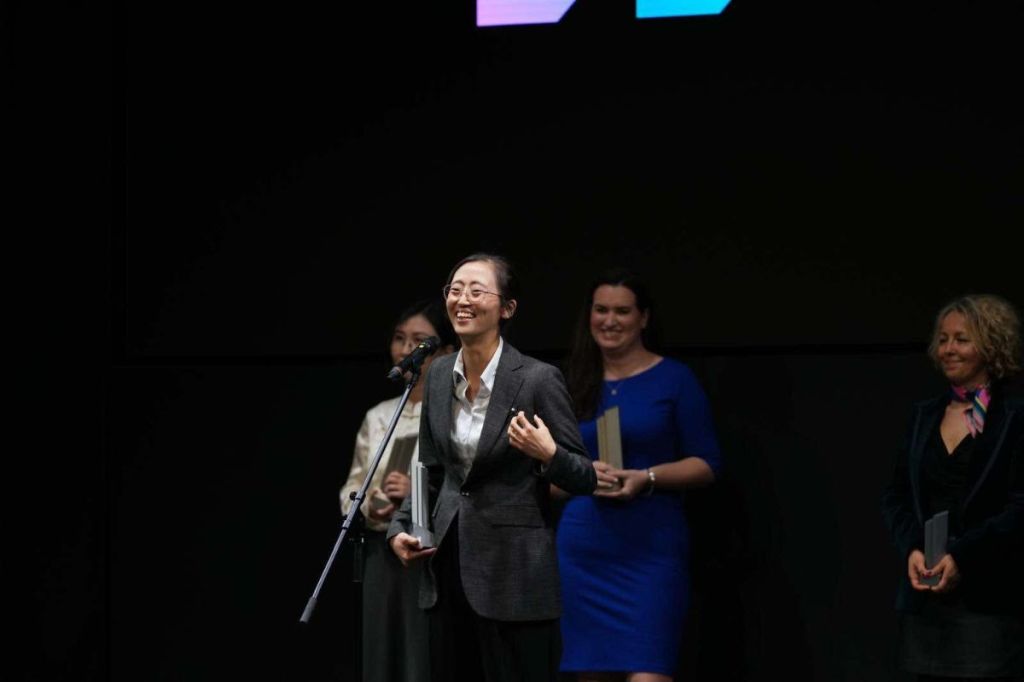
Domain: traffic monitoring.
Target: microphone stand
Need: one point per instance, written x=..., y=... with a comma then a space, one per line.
x=358, y=542
x=361, y=495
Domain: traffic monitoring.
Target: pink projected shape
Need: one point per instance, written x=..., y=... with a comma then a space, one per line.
x=510, y=12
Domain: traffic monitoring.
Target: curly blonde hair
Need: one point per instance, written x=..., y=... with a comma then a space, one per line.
x=995, y=327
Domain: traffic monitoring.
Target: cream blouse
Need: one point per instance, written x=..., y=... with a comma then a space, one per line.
x=375, y=424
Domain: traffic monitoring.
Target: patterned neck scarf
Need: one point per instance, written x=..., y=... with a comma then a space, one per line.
x=978, y=401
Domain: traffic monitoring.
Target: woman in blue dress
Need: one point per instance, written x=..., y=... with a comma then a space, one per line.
x=624, y=551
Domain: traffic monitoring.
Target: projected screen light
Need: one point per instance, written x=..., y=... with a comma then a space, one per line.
x=519, y=12
x=653, y=9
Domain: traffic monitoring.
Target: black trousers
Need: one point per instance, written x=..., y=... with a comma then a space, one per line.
x=466, y=647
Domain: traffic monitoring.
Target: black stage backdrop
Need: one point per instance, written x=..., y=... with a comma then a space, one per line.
x=804, y=184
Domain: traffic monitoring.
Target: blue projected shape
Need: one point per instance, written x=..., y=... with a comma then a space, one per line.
x=513, y=12
x=652, y=9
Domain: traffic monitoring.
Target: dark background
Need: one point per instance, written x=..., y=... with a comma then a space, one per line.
x=803, y=183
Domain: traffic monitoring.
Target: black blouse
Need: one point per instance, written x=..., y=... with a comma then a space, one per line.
x=945, y=477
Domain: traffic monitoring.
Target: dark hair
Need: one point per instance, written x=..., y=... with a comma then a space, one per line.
x=435, y=313
x=585, y=368
x=504, y=271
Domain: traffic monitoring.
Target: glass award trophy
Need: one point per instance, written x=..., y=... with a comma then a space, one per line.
x=936, y=532
x=402, y=451
x=420, y=506
x=609, y=439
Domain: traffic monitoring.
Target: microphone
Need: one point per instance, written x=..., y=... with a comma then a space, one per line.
x=414, y=359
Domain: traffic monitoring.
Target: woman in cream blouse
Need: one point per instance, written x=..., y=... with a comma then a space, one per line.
x=394, y=629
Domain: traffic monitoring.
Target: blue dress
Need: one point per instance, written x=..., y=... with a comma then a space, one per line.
x=624, y=565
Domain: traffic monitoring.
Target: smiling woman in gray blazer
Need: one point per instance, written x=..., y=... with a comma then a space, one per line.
x=497, y=428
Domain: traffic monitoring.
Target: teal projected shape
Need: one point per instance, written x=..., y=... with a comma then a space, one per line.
x=654, y=9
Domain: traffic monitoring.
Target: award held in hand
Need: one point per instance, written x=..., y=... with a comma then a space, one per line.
x=609, y=439
x=936, y=533
x=402, y=451
x=420, y=506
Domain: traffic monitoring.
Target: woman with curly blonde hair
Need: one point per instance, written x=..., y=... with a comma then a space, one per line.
x=961, y=616
x=995, y=326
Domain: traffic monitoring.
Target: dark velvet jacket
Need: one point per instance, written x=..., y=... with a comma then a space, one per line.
x=990, y=549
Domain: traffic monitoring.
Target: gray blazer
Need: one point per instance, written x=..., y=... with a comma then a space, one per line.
x=502, y=508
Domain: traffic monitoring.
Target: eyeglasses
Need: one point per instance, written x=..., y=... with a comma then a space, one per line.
x=474, y=295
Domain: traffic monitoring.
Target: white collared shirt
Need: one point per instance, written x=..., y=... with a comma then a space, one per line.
x=468, y=416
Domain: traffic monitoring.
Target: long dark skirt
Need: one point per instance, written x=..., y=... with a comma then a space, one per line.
x=395, y=636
